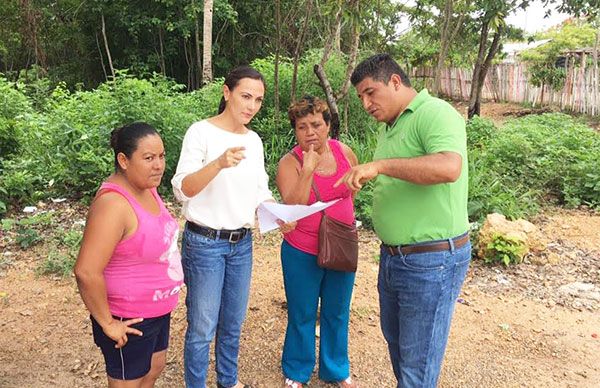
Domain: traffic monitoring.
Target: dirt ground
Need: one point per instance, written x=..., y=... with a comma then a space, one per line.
x=512, y=327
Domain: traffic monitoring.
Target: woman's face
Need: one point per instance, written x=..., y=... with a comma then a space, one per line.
x=145, y=168
x=245, y=100
x=312, y=130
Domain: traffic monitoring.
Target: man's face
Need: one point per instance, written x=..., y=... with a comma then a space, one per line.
x=380, y=100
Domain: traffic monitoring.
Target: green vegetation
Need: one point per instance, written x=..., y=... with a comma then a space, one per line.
x=505, y=250
x=30, y=231
x=542, y=60
x=64, y=145
x=532, y=161
x=63, y=253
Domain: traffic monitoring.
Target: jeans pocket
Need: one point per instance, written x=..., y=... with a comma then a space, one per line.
x=463, y=255
x=427, y=261
x=196, y=241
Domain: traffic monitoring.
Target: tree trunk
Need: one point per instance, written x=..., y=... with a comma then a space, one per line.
x=595, y=75
x=329, y=44
x=188, y=60
x=299, y=44
x=444, y=45
x=198, y=63
x=481, y=66
x=337, y=40
x=207, y=75
x=110, y=64
x=276, y=66
x=101, y=57
x=448, y=34
x=331, y=102
x=163, y=67
x=31, y=35
x=351, y=60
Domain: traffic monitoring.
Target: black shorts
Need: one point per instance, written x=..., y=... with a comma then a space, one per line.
x=133, y=360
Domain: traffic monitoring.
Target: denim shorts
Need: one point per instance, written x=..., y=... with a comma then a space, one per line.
x=133, y=360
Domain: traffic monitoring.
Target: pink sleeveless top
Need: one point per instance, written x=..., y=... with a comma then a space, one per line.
x=306, y=235
x=144, y=274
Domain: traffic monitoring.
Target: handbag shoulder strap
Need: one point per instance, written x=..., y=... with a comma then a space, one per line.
x=314, y=187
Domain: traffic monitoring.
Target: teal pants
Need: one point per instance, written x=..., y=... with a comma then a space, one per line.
x=305, y=282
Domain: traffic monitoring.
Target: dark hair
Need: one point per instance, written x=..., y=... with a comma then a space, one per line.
x=125, y=139
x=308, y=105
x=234, y=77
x=380, y=67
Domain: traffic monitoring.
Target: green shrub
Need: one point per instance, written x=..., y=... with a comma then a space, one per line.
x=69, y=143
x=480, y=132
x=63, y=254
x=553, y=153
x=529, y=161
x=504, y=249
x=14, y=105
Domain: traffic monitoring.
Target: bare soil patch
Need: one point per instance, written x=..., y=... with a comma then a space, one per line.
x=512, y=327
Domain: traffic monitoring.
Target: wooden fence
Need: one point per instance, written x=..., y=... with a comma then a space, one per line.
x=509, y=82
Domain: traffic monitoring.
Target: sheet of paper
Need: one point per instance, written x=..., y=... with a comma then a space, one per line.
x=270, y=212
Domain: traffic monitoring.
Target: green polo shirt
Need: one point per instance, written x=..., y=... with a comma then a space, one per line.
x=404, y=212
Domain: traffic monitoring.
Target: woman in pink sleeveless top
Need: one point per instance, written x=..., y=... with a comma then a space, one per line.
x=320, y=161
x=129, y=269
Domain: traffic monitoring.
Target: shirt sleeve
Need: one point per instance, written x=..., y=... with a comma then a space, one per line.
x=263, y=192
x=191, y=159
x=441, y=129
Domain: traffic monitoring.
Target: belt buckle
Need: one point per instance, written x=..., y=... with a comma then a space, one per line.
x=237, y=235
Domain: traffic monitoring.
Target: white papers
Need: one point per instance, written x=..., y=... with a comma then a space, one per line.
x=270, y=212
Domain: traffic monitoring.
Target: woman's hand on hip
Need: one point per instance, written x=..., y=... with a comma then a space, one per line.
x=118, y=330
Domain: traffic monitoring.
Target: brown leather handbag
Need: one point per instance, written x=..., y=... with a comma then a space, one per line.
x=338, y=245
x=338, y=241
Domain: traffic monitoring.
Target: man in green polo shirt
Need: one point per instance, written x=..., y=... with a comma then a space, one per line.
x=419, y=213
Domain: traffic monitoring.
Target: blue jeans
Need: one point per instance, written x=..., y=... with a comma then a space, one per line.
x=217, y=275
x=417, y=294
x=305, y=282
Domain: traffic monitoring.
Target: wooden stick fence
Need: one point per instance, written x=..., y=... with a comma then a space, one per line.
x=509, y=82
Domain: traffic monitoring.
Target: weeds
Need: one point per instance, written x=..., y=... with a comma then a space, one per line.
x=505, y=249
x=63, y=253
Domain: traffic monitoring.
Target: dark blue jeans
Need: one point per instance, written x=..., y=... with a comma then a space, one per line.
x=217, y=275
x=417, y=294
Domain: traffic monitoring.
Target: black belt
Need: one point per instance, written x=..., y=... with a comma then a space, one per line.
x=232, y=236
x=436, y=246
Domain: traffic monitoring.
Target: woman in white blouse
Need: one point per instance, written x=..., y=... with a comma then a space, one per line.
x=220, y=179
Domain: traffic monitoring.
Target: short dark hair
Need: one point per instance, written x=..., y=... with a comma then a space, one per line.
x=233, y=78
x=308, y=105
x=380, y=67
x=126, y=138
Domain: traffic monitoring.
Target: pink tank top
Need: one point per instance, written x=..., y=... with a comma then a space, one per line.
x=306, y=235
x=144, y=274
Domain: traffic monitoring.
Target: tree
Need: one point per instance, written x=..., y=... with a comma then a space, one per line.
x=450, y=22
x=491, y=19
x=542, y=60
x=332, y=97
x=207, y=43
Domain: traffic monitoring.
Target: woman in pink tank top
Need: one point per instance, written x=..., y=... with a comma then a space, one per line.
x=320, y=161
x=129, y=268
